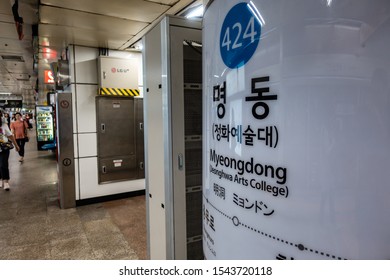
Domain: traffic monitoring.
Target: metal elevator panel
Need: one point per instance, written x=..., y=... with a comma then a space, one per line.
x=117, y=139
x=118, y=168
x=115, y=126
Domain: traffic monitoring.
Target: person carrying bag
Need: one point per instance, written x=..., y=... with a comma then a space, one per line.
x=6, y=141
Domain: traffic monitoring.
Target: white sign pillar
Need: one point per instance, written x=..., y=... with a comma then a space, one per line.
x=296, y=129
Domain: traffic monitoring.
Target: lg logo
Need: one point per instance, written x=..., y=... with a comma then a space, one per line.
x=118, y=70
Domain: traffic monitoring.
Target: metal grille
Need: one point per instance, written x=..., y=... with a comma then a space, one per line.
x=195, y=250
x=193, y=149
x=193, y=112
x=193, y=155
x=192, y=65
x=194, y=213
x=194, y=224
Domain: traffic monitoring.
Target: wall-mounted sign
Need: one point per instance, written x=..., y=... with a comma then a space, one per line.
x=297, y=130
x=49, y=78
x=11, y=103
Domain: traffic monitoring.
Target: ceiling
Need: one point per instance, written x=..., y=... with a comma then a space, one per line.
x=113, y=24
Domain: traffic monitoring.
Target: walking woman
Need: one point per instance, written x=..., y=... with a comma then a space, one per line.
x=5, y=135
x=19, y=130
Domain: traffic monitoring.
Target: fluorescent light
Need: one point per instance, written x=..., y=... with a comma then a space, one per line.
x=197, y=12
x=5, y=93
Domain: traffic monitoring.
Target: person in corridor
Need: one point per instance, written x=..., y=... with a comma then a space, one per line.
x=19, y=130
x=5, y=135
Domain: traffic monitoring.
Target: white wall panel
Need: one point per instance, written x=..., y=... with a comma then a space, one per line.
x=75, y=146
x=86, y=108
x=71, y=64
x=86, y=65
x=88, y=177
x=74, y=112
x=76, y=177
x=87, y=145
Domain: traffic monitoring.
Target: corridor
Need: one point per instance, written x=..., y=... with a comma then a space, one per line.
x=33, y=227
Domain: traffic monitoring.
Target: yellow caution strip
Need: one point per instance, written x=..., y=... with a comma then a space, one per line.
x=119, y=92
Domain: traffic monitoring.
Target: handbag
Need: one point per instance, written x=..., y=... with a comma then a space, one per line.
x=6, y=146
x=26, y=139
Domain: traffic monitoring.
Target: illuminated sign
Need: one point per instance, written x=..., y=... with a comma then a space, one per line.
x=49, y=77
x=296, y=131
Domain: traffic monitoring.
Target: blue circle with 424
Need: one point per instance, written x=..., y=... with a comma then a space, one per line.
x=240, y=34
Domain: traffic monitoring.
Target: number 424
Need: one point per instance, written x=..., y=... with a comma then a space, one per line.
x=249, y=32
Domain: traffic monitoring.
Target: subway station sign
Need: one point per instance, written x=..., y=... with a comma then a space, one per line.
x=296, y=130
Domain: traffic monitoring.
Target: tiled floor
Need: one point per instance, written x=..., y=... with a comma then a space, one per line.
x=33, y=227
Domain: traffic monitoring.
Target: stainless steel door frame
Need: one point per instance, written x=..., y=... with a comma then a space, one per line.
x=66, y=166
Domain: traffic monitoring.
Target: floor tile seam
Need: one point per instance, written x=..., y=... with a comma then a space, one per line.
x=133, y=248
x=89, y=240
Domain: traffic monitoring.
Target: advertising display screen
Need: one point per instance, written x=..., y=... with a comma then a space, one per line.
x=45, y=128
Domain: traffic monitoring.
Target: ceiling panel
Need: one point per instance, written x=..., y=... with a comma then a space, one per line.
x=16, y=75
x=13, y=65
x=11, y=46
x=138, y=10
x=166, y=2
x=89, y=38
x=4, y=76
x=9, y=83
x=3, y=89
x=82, y=20
x=113, y=24
x=6, y=18
x=8, y=30
x=5, y=5
x=20, y=76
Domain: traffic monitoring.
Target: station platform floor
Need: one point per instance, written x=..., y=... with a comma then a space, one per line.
x=33, y=227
